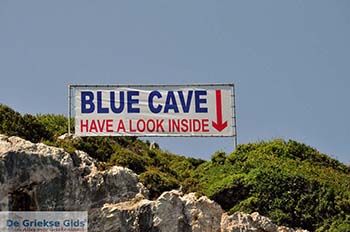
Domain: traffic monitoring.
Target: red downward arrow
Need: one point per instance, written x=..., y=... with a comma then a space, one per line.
x=219, y=125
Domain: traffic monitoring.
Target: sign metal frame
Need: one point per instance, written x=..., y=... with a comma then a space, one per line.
x=71, y=88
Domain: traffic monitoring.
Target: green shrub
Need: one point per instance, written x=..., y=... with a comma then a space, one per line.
x=11, y=122
x=127, y=158
x=158, y=182
x=218, y=157
x=27, y=126
x=56, y=124
x=289, y=182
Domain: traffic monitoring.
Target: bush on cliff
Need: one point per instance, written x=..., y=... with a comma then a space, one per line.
x=289, y=182
x=27, y=126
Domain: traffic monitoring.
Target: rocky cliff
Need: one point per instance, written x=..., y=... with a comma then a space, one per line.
x=40, y=177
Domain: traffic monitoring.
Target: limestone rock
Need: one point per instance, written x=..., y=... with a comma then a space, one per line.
x=254, y=222
x=122, y=217
x=204, y=214
x=263, y=223
x=40, y=177
x=171, y=212
x=237, y=222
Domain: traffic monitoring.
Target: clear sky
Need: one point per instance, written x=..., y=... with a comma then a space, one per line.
x=290, y=60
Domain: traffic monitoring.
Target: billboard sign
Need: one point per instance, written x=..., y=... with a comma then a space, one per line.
x=153, y=110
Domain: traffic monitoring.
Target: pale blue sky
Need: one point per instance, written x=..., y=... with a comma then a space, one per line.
x=290, y=60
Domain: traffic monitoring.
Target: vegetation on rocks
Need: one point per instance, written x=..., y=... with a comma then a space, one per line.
x=288, y=181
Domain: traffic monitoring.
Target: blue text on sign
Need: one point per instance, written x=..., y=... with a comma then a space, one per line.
x=128, y=101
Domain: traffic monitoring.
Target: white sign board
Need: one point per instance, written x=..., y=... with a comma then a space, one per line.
x=174, y=110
